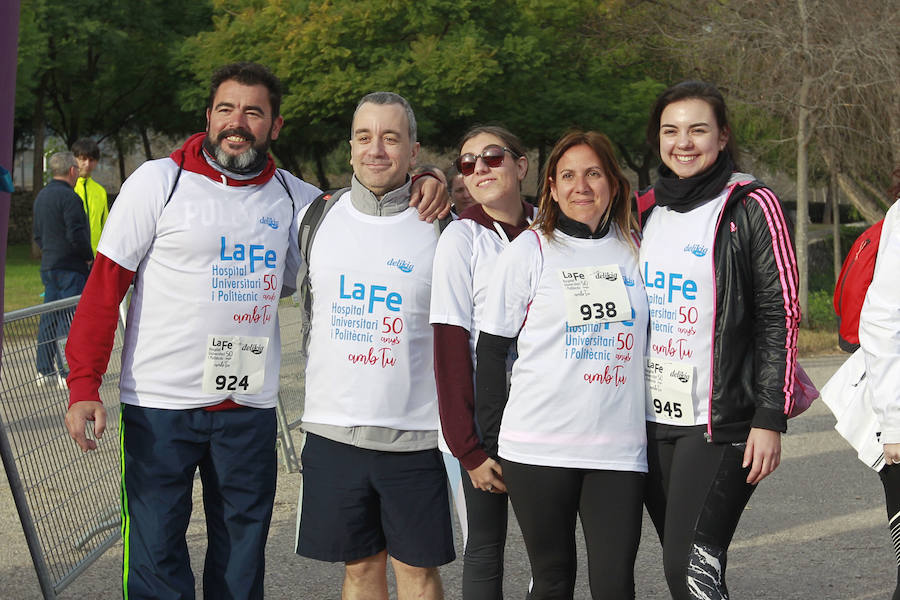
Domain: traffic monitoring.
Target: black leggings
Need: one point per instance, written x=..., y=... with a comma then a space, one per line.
x=487, y=515
x=890, y=479
x=696, y=492
x=548, y=499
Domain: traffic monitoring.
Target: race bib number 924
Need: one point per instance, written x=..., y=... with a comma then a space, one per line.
x=234, y=364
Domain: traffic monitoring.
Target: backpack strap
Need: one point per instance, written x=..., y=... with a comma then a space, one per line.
x=168, y=198
x=181, y=168
x=441, y=224
x=175, y=183
x=313, y=217
x=309, y=226
x=280, y=177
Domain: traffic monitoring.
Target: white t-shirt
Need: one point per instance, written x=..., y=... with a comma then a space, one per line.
x=577, y=393
x=679, y=275
x=370, y=347
x=203, y=320
x=464, y=265
x=464, y=268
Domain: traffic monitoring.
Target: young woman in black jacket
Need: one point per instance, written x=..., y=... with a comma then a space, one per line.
x=721, y=278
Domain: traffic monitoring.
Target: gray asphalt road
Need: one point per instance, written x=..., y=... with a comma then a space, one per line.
x=814, y=529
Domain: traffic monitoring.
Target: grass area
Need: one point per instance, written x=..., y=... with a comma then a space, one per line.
x=22, y=285
x=817, y=342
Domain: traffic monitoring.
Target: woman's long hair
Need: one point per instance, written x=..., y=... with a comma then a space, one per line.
x=619, y=209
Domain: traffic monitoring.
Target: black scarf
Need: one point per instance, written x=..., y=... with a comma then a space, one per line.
x=577, y=229
x=682, y=195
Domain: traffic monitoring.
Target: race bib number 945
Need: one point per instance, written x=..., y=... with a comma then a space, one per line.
x=234, y=364
x=595, y=295
x=669, y=385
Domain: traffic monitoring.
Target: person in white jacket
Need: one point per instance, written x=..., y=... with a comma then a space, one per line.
x=879, y=337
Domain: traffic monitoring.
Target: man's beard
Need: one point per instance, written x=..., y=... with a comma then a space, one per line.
x=251, y=160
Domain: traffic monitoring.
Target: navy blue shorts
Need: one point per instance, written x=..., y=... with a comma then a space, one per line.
x=355, y=502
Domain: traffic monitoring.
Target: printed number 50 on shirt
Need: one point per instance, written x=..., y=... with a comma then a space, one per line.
x=595, y=295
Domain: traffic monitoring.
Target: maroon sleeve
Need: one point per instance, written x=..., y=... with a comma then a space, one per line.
x=454, y=375
x=94, y=328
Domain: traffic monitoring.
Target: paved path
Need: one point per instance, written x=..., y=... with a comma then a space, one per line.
x=815, y=529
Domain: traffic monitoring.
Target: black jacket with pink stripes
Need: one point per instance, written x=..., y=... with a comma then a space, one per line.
x=757, y=313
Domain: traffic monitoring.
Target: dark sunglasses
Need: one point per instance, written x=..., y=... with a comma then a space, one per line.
x=492, y=156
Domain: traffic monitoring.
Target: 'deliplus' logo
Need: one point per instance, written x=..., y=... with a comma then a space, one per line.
x=273, y=223
x=696, y=249
x=254, y=348
x=680, y=375
x=607, y=275
x=401, y=264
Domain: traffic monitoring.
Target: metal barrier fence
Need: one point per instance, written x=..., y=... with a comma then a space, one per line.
x=67, y=500
x=293, y=380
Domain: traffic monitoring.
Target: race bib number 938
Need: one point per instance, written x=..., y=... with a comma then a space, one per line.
x=595, y=295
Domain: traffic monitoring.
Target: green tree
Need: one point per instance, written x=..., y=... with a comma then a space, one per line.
x=100, y=68
x=532, y=65
x=831, y=80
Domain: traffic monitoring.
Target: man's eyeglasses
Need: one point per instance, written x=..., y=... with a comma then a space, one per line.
x=492, y=156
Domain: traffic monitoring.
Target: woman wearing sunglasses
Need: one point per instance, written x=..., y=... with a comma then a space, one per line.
x=720, y=272
x=571, y=437
x=492, y=162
